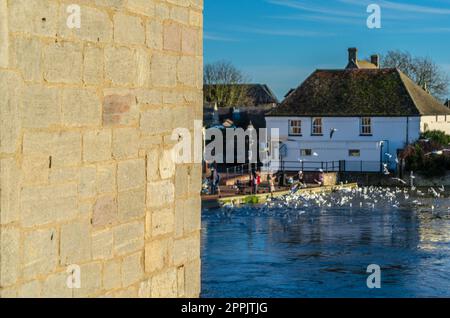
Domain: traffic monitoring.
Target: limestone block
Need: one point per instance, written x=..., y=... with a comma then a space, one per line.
x=112, y=275
x=172, y=37
x=187, y=71
x=189, y=41
x=156, y=121
x=106, y=178
x=102, y=245
x=120, y=66
x=87, y=184
x=179, y=14
x=63, y=62
x=131, y=205
x=120, y=110
x=128, y=238
x=192, y=279
x=64, y=148
x=128, y=29
x=41, y=107
x=146, y=7
x=81, y=108
x=195, y=18
x=10, y=256
x=55, y=286
x=75, y=243
x=125, y=143
x=154, y=34
x=91, y=280
x=63, y=175
x=38, y=17
x=130, y=175
x=10, y=105
x=167, y=164
x=43, y=205
x=35, y=170
x=164, y=285
x=160, y=194
x=31, y=289
x=93, y=65
x=163, y=221
x=97, y=145
x=163, y=70
x=158, y=254
x=132, y=269
x=153, y=164
x=105, y=211
x=10, y=191
x=40, y=254
x=4, y=35
x=27, y=58
x=186, y=250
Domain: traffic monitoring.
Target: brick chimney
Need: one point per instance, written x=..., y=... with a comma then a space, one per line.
x=375, y=59
x=353, y=55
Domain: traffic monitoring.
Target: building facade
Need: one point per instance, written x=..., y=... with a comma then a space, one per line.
x=356, y=119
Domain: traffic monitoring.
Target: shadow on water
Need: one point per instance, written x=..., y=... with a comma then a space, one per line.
x=318, y=250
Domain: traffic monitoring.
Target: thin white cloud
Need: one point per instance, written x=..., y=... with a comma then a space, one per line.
x=312, y=8
x=217, y=38
x=285, y=32
x=398, y=6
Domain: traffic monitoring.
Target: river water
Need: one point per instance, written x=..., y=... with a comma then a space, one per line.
x=321, y=246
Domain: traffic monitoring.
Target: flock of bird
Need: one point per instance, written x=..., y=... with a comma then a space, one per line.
x=432, y=200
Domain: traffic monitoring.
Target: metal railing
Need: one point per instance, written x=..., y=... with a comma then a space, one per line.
x=333, y=166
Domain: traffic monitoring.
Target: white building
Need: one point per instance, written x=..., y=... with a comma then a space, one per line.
x=355, y=119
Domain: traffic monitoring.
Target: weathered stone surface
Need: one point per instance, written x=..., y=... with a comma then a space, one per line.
x=81, y=108
x=131, y=205
x=10, y=191
x=91, y=280
x=30, y=289
x=146, y=7
x=75, y=243
x=192, y=279
x=97, y=146
x=64, y=148
x=160, y=194
x=10, y=105
x=10, y=252
x=158, y=254
x=63, y=62
x=130, y=175
x=38, y=17
x=27, y=58
x=41, y=107
x=164, y=70
x=102, y=245
x=121, y=66
x=120, y=110
x=172, y=37
x=93, y=65
x=106, y=178
x=112, y=275
x=154, y=34
x=132, y=269
x=163, y=221
x=186, y=250
x=164, y=285
x=43, y=205
x=4, y=35
x=125, y=143
x=40, y=254
x=55, y=286
x=128, y=29
x=105, y=211
x=128, y=238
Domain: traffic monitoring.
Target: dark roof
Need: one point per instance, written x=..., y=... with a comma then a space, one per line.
x=447, y=103
x=257, y=94
x=359, y=92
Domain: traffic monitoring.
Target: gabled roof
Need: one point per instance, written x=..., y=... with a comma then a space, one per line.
x=359, y=92
x=257, y=94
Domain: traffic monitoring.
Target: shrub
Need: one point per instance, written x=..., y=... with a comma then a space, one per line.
x=438, y=137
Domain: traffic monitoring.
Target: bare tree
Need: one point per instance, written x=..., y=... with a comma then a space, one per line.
x=422, y=70
x=224, y=84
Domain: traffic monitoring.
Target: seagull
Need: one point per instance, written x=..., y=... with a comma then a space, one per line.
x=399, y=180
x=332, y=131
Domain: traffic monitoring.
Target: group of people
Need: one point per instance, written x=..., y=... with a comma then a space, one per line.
x=301, y=184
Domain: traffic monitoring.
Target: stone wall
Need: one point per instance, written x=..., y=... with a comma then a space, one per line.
x=86, y=173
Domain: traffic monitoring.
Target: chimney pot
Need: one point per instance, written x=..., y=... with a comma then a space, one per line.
x=375, y=59
x=353, y=55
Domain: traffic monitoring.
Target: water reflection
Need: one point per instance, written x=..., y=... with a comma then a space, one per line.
x=314, y=250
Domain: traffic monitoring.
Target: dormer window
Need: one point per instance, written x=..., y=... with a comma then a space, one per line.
x=366, y=126
x=317, y=126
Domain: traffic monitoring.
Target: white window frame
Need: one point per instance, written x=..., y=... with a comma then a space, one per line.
x=365, y=126
x=317, y=129
x=297, y=127
x=356, y=151
x=303, y=152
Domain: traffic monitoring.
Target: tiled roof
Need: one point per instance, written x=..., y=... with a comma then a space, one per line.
x=359, y=92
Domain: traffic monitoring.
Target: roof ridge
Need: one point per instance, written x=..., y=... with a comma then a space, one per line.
x=401, y=75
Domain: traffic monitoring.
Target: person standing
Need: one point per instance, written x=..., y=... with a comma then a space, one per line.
x=272, y=179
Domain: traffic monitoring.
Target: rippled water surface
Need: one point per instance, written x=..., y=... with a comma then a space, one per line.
x=320, y=246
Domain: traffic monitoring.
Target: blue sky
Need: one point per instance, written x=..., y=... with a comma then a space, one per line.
x=280, y=42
